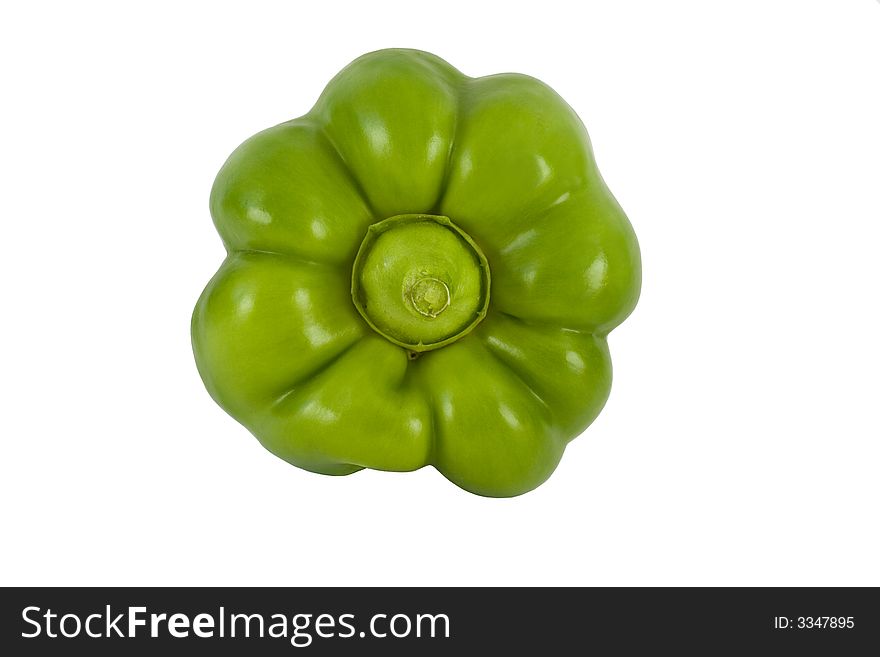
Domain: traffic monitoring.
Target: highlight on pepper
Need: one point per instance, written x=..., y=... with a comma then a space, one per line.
x=422, y=270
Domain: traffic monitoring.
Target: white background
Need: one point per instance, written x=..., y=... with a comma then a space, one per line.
x=741, y=441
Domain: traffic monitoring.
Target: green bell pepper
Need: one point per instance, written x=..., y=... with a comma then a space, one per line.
x=422, y=270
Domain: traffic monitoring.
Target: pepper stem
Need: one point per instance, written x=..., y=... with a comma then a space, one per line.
x=420, y=281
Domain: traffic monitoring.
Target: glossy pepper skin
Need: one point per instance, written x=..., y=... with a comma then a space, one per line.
x=422, y=270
